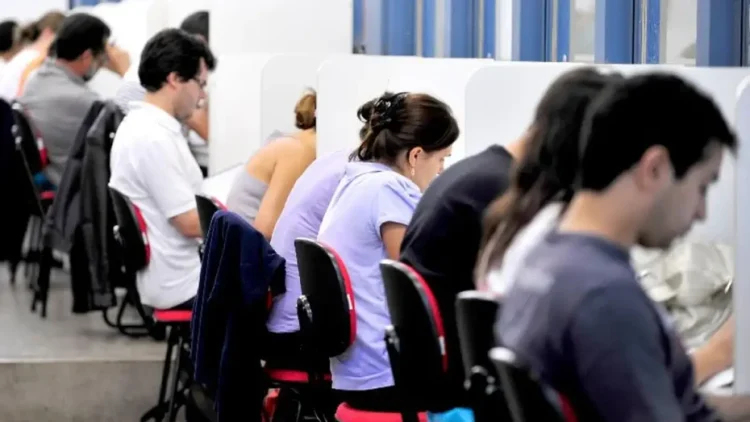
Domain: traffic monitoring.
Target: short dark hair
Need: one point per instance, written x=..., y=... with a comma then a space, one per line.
x=397, y=123
x=172, y=50
x=644, y=111
x=80, y=32
x=196, y=24
x=8, y=35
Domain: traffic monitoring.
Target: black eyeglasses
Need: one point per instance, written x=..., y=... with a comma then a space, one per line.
x=201, y=84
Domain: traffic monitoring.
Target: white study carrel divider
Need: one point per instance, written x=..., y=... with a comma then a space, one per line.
x=234, y=109
x=501, y=100
x=345, y=83
x=285, y=78
x=742, y=251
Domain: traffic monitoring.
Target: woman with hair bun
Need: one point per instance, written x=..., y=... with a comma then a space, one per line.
x=406, y=138
x=258, y=194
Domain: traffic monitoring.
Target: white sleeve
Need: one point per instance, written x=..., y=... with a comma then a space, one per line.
x=165, y=179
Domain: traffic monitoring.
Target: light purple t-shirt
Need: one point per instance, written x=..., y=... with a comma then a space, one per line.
x=368, y=196
x=301, y=217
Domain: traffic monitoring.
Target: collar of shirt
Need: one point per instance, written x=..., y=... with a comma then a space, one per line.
x=51, y=66
x=160, y=115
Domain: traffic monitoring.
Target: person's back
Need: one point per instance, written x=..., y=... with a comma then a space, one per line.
x=57, y=98
x=369, y=195
x=575, y=310
x=443, y=237
x=555, y=308
x=38, y=36
x=259, y=193
x=152, y=165
x=405, y=140
x=301, y=218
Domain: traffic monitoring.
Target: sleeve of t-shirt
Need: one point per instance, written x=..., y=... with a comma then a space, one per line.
x=621, y=358
x=395, y=202
x=165, y=179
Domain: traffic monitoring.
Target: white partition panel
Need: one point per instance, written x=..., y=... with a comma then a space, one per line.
x=132, y=23
x=178, y=10
x=281, y=26
x=234, y=109
x=742, y=265
x=344, y=84
x=444, y=79
x=286, y=77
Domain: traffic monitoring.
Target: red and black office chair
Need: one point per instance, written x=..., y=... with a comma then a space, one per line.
x=131, y=232
x=415, y=339
x=31, y=160
x=207, y=207
x=528, y=398
x=475, y=316
x=328, y=316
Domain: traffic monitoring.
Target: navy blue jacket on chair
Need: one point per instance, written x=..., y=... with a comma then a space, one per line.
x=229, y=315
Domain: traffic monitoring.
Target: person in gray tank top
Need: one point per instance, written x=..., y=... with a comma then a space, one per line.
x=259, y=193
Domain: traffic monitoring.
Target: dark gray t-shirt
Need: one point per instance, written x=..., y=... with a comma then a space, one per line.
x=578, y=315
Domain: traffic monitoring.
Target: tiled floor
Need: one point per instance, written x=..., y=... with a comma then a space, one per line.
x=62, y=335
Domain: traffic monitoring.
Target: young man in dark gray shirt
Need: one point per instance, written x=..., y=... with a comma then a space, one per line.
x=576, y=312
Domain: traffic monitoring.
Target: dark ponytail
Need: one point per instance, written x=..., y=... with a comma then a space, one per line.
x=395, y=123
x=30, y=33
x=548, y=169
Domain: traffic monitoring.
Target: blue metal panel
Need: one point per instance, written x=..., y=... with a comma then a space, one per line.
x=613, y=42
x=529, y=26
x=372, y=30
x=76, y=3
x=488, y=28
x=745, y=29
x=358, y=22
x=559, y=24
x=463, y=33
x=399, y=27
x=719, y=38
x=652, y=33
x=429, y=14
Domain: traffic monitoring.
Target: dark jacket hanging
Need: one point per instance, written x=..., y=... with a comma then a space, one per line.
x=229, y=315
x=82, y=218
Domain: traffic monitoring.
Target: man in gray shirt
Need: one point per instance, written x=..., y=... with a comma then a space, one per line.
x=576, y=311
x=56, y=98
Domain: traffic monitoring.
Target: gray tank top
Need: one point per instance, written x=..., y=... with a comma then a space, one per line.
x=245, y=196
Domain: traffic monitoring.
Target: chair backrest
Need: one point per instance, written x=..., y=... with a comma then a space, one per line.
x=475, y=317
x=328, y=291
x=130, y=232
x=207, y=207
x=528, y=398
x=29, y=139
x=422, y=357
x=25, y=178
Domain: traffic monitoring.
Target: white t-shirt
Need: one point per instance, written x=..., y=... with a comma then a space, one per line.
x=10, y=79
x=500, y=279
x=152, y=166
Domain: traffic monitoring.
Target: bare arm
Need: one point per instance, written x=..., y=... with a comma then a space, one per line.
x=731, y=408
x=199, y=122
x=716, y=355
x=393, y=235
x=188, y=224
x=285, y=174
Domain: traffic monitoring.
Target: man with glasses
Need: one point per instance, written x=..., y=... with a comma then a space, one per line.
x=195, y=128
x=57, y=97
x=152, y=165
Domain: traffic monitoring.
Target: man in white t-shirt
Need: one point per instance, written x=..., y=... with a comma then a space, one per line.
x=152, y=164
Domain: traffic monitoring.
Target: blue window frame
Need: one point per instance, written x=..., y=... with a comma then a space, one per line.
x=647, y=31
x=399, y=25
x=720, y=39
x=614, y=28
x=529, y=30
